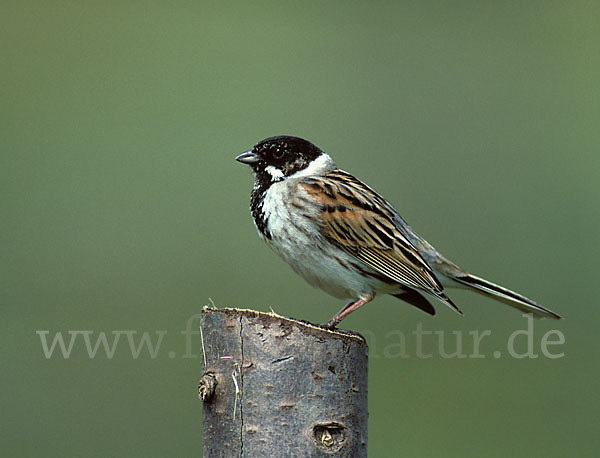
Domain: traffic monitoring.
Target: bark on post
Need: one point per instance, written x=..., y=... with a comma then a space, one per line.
x=274, y=386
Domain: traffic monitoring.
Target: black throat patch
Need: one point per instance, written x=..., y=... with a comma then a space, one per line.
x=256, y=206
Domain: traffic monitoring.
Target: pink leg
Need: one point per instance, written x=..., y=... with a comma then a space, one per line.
x=347, y=310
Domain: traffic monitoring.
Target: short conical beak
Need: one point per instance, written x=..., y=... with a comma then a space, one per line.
x=247, y=158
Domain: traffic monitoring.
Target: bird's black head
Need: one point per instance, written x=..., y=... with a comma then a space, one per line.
x=276, y=158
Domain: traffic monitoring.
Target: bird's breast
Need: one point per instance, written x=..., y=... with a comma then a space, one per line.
x=287, y=218
x=288, y=215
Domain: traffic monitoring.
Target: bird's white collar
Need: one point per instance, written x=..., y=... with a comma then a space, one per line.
x=319, y=166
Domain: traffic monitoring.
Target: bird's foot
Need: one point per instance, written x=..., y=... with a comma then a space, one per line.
x=331, y=324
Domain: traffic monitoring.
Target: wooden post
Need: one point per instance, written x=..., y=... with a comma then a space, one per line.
x=274, y=386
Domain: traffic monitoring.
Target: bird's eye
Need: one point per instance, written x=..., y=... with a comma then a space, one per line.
x=278, y=153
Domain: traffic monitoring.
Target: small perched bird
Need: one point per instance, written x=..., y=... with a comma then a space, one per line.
x=344, y=238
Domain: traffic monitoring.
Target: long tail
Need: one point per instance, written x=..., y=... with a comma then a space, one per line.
x=502, y=294
x=452, y=275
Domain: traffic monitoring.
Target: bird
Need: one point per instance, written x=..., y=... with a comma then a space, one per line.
x=347, y=240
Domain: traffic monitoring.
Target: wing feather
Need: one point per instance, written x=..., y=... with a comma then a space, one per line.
x=362, y=223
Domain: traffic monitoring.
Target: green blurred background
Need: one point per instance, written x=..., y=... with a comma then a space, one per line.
x=123, y=209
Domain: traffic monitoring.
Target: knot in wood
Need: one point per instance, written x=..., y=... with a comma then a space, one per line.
x=329, y=436
x=206, y=386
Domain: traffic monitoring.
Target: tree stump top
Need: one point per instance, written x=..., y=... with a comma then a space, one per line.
x=267, y=319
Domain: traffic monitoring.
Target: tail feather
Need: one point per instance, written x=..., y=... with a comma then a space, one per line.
x=505, y=295
x=414, y=298
x=418, y=300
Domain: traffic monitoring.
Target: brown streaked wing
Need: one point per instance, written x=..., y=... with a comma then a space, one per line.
x=359, y=221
